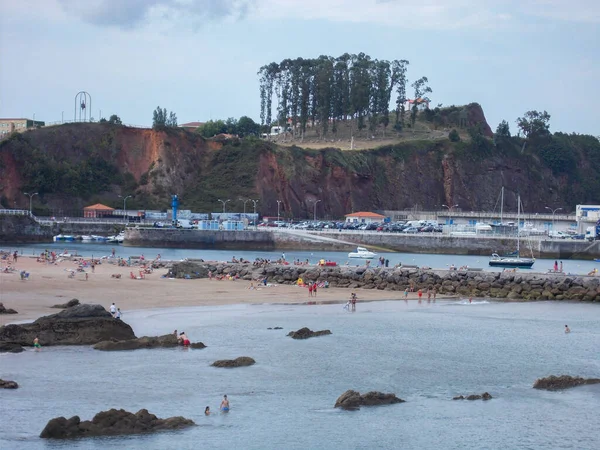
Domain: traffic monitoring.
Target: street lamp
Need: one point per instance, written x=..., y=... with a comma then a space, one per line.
x=244, y=201
x=224, y=203
x=30, y=199
x=278, y=203
x=255, y=218
x=450, y=208
x=553, y=211
x=125, y=205
x=315, y=210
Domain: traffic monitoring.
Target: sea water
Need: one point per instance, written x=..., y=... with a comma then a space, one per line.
x=424, y=353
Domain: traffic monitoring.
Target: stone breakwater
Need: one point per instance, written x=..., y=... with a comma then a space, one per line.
x=476, y=283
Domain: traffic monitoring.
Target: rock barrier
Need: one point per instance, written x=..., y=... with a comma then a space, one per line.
x=7, y=384
x=484, y=396
x=4, y=310
x=69, y=304
x=518, y=285
x=165, y=341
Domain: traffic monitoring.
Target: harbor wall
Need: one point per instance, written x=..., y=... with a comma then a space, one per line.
x=512, y=285
x=24, y=229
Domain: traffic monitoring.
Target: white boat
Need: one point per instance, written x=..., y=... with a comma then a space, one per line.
x=363, y=253
x=59, y=237
x=118, y=239
x=95, y=237
x=86, y=237
x=69, y=237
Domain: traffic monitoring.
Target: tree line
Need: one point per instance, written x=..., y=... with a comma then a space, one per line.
x=328, y=89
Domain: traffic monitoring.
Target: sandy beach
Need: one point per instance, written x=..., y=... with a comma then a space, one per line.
x=49, y=284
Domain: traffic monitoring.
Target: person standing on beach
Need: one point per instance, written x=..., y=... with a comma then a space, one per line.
x=225, y=404
x=113, y=309
x=113, y=252
x=315, y=289
x=561, y=269
x=15, y=256
x=310, y=289
x=406, y=294
x=353, y=298
x=428, y=295
x=420, y=294
x=556, y=266
x=434, y=294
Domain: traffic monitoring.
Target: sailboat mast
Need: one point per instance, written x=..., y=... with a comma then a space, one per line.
x=501, y=204
x=518, y=223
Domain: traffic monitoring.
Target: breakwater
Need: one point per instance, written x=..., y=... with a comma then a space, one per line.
x=476, y=283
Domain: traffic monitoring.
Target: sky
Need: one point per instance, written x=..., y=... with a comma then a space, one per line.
x=200, y=58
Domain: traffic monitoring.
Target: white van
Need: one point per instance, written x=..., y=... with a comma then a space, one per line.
x=186, y=224
x=414, y=223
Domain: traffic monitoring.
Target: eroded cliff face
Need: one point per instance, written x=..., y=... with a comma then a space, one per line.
x=152, y=165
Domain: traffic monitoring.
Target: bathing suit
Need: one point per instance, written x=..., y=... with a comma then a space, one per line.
x=224, y=409
x=36, y=345
x=186, y=342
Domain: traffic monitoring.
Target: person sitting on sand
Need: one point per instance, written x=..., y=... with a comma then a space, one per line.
x=225, y=404
x=207, y=411
x=251, y=287
x=567, y=329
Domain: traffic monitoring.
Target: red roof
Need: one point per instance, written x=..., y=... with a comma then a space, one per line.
x=366, y=214
x=99, y=207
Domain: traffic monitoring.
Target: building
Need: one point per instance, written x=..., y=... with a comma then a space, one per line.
x=7, y=126
x=191, y=126
x=97, y=210
x=364, y=217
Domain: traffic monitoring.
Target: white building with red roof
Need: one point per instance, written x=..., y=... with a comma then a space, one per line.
x=364, y=217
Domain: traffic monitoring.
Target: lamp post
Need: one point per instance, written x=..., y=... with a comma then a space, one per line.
x=224, y=203
x=125, y=205
x=279, y=202
x=245, y=201
x=553, y=212
x=255, y=218
x=315, y=210
x=450, y=208
x=30, y=199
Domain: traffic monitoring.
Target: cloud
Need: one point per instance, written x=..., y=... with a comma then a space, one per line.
x=132, y=13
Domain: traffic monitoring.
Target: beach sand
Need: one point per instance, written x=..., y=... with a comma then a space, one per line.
x=49, y=285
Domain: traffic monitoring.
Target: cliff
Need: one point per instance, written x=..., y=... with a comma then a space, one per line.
x=74, y=165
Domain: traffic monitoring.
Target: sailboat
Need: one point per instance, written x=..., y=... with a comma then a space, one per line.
x=502, y=227
x=514, y=260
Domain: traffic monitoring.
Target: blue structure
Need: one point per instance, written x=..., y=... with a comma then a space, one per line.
x=174, y=206
x=598, y=230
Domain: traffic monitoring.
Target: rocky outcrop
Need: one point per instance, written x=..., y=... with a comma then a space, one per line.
x=305, y=333
x=69, y=304
x=6, y=384
x=8, y=347
x=484, y=396
x=4, y=310
x=165, y=341
x=237, y=362
x=467, y=283
x=353, y=400
x=275, y=328
x=79, y=325
x=111, y=423
x=554, y=383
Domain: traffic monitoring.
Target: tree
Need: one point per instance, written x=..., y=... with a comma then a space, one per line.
x=172, y=120
x=115, y=120
x=247, y=127
x=534, y=124
x=503, y=130
x=159, y=118
x=421, y=88
x=453, y=135
x=212, y=128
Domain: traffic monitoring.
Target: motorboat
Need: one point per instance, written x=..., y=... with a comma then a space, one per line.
x=118, y=239
x=96, y=237
x=59, y=237
x=87, y=237
x=363, y=253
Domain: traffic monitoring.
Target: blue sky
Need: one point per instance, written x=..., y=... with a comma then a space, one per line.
x=199, y=58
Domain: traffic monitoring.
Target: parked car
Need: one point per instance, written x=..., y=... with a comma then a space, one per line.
x=410, y=230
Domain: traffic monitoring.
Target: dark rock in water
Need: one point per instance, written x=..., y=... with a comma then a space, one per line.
x=305, y=333
x=237, y=362
x=7, y=347
x=353, y=400
x=275, y=328
x=484, y=396
x=4, y=310
x=6, y=384
x=111, y=423
x=554, y=383
x=69, y=304
x=165, y=341
x=79, y=325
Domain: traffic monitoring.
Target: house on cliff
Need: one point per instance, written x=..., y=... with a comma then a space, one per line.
x=364, y=217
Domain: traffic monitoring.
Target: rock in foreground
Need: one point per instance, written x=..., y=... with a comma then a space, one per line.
x=7, y=384
x=305, y=333
x=79, y=325
x=353, y=400
x=69, y=304
x=110, y=423
x=165, y=341
x=4, y=310
x=484, y=396
x=237, y=362
x=554, y=383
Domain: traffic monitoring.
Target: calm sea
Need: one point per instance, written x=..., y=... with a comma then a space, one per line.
x=426, y=354
x=422, y=259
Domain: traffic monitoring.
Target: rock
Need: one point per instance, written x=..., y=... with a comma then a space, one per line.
x=275, y=328
x=8, y=347
x=80, y=325
x=187, y=269
x=554, y=383
x=353, y=400
x=237, y=362
x=305, y=333
x=69, y=304
x=165, y=341
x=4, y=310
x=111, y=423
x=6, y=384
x=484, y=396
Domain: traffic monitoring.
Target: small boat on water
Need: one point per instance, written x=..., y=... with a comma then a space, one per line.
x=511, y=262
x=87, y=237
x=117, y=239
x=363, y=253
x=95, y=237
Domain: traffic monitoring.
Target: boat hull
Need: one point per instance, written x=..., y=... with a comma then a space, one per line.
x=512, y=263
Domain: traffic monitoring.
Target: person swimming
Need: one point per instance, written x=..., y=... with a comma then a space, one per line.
x=36, y=343
x=567, y=329
x=207, y=411
x=225, y=404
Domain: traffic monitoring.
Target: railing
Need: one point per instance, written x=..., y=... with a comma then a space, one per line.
x=15, y=212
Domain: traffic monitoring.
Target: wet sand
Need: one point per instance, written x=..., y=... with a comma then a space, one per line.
x=49, y=284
